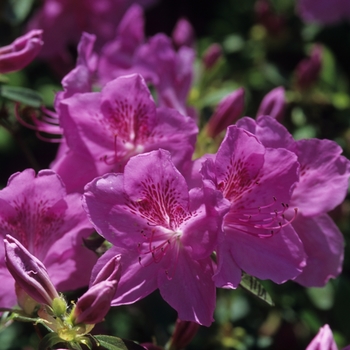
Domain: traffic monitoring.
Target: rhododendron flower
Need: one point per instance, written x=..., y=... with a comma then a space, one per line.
x=164, y=233
x=169, y=71
x=323, y=183
x=50, y=224
x=104, y=129
x=21, y=52
x=63, y=22
x=324, y=11
x=257, y=238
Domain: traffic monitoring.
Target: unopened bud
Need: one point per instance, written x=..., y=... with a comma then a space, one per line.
x=227, y=112
x=93, y=306
x=184, y=332
x=273, y=104
x=183, y=33
x=212, y=55
x=29, y=272
x=308, y=70
x=21, y=52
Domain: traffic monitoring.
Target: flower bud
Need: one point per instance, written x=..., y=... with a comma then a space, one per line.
x=29, y=272
x=212, y=55
x=183, y=33
x=21, y=52
x=323, y=340
x=227, y=112
x=184, y=332
x=273, y=104
x=93, y=306
x=308, y=70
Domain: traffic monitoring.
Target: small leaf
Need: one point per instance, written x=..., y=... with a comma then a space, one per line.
x=17, y=10
x=49, y=341
x=113, y=343
x=252, y=285
x=20, y=94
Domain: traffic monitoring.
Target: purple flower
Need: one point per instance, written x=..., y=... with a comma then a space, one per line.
x=50, y=224
x=324, y=11
x=63, y=22
x=273, y=104
x=323, y=340
x=29, y=272
x=104, y=129
x=227, y=112
x=21, y=52
x=322, y=185
x=164, y=233
x=257, y=238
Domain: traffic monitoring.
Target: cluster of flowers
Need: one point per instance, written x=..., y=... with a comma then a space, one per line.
x=126, y=168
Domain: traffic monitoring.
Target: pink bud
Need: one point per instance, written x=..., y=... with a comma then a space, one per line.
x=21, y=52
x=227, y=112
x=323, y=340
x=184, y=332
x=309, y=69
x=273, y=104
x=29, y=272
x=93, y=306
x=110, y=272
x=183, y=33
x=211, y=55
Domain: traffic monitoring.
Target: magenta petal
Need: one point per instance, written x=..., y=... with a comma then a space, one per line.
x=324, y=247
x=190, y=291
x=323, y=340
x=228, y=274
x=136, y=281
x=324, y=176
x=279, y=258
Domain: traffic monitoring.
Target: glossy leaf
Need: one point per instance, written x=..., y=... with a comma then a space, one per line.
x=23, y=95
x=113, y=343
x=252, y=285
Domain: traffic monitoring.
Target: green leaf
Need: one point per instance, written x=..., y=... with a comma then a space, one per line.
x=113, y=343
x=17, y=10
x=252, y=285
x=50, y=340
x=20, y=94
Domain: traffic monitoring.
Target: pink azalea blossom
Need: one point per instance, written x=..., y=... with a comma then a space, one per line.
x=21, y=52
x=323, y=183
x=50, y=224
x=164, y=233
x=63, y=22
x=257, y=238
x=104, y=129
x=168, y=70
x=324, y=11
